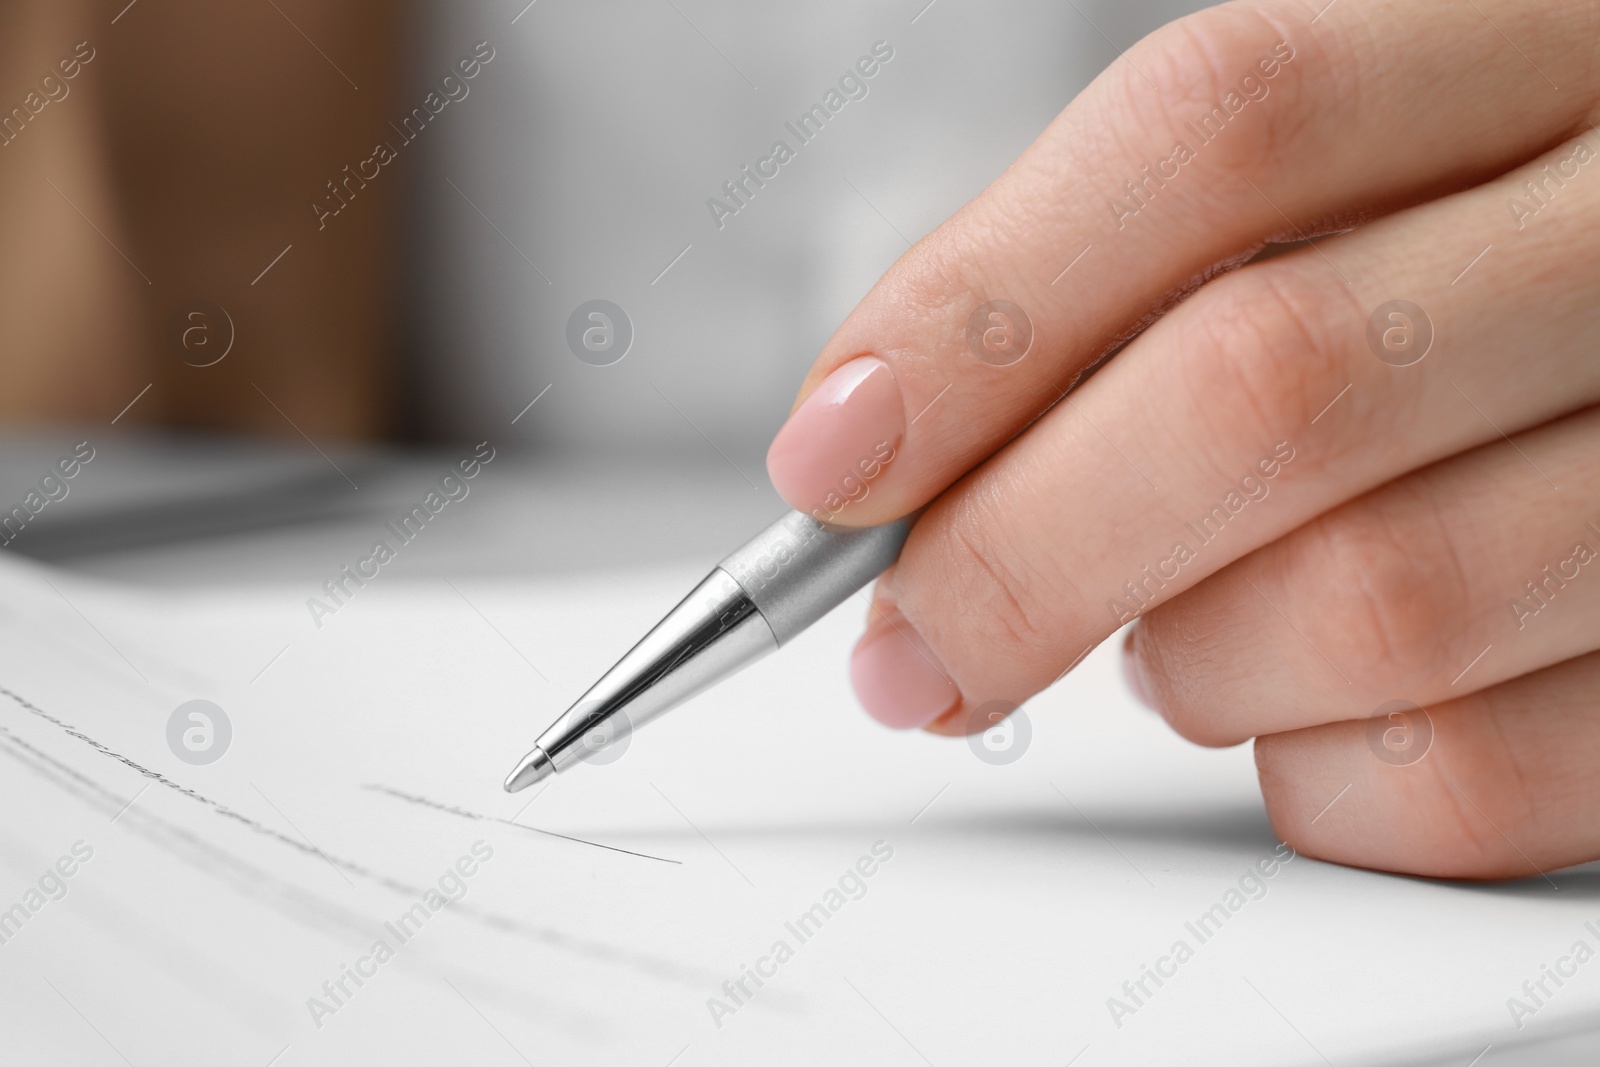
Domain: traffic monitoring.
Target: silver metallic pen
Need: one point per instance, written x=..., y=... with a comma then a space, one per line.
x=792, y=574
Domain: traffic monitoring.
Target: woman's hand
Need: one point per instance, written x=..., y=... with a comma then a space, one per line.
x=1336, y=486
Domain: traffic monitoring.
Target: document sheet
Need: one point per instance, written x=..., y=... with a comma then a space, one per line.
x=242, y=831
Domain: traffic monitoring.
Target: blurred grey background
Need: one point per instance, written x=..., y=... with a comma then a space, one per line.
x=580, y=167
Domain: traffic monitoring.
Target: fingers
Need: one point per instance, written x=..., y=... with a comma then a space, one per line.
x=895, y=671
x=1469, y=573
x=1500, y=784
x=1234, y=126
x=1255, y=406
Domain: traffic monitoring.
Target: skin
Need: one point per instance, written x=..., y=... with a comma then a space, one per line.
x=183, y=159
x=1380, y=563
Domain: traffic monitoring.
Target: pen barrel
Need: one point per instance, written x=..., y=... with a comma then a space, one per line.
x=798, y=569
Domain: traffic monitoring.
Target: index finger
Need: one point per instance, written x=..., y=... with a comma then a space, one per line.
x=1241, y=124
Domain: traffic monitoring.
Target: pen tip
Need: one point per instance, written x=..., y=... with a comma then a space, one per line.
x=535, y=767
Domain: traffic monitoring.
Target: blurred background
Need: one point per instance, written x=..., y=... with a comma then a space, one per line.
x=277, y=265
x=271, y=329
x=597, y=145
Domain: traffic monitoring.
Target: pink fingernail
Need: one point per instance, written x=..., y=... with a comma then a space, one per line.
x=1133, y=674
x=897, y=678
x=840, y=439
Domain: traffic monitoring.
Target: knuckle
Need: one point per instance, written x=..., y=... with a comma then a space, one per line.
x=1189, y=649
x=1458, y=813
x=1266, y=349
x=1487, y=795
x=1474, y=837
x=1428, y=830
x=1389, y=593
x=1198, y=75
x=1005, y=604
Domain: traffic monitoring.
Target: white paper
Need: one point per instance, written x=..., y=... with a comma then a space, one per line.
x=1006, y=906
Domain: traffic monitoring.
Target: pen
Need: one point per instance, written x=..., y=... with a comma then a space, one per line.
x=755, y=601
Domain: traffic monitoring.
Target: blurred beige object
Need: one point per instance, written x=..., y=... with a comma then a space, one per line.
x=177, y=169
x=68, y=301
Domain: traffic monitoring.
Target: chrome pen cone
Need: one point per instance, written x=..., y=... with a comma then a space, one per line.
x=756, y=600
x=535, y=767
